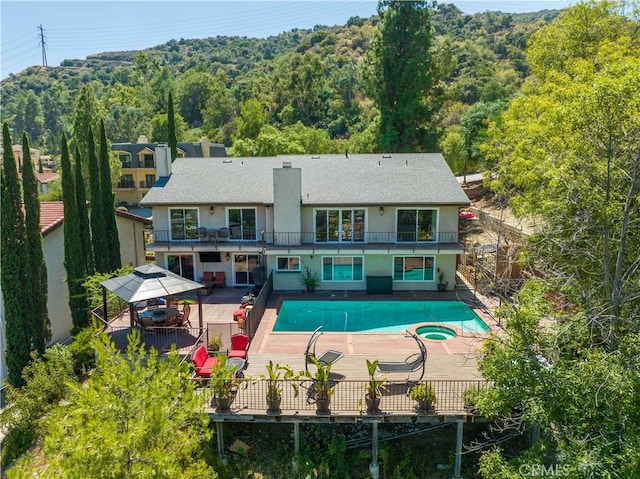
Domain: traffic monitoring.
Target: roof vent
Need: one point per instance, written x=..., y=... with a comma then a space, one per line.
x=315, y=157
x=386, y=156
x=227, y=161
x=286, y=164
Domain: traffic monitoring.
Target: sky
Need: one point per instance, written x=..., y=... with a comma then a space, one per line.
x=76, y=29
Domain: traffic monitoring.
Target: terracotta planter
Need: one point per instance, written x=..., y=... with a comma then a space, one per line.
x=223, y=403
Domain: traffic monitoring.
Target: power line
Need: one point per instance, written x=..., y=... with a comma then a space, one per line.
x=43, y=43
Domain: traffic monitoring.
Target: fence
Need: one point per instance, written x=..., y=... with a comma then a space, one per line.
x=347, y=396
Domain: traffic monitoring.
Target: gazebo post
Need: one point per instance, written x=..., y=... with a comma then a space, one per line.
x=200, y=309
x=131, y=313
x=104, y=305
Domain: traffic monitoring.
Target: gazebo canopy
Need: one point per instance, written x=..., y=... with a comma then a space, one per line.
x=147, y=282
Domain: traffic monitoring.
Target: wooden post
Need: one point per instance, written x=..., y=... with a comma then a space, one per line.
x=296, y=446
x=220, y=437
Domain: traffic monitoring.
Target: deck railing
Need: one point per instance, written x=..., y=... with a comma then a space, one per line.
x=283, y=239
x=347, y=397
x=160, y=337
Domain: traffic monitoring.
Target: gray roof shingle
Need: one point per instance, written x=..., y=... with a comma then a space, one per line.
x=365, y=179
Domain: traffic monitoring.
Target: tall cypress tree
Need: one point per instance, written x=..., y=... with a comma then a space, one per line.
x=12, y=262
x=83, y=216
x=98, y=231
x=73, y=260
x=171, y=128
x=112, y=252
x=37, y=284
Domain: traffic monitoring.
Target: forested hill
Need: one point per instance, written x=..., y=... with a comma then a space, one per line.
x=305, y=79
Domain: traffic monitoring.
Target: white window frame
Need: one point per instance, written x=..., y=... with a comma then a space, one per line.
x=186, y=235
x=289, y=269
x=340, y=238
x=404, y=257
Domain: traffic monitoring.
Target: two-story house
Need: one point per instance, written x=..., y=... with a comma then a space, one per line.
x=139, y=165
x=351, y=219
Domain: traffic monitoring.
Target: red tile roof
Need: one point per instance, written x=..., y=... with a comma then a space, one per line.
x=51, y=216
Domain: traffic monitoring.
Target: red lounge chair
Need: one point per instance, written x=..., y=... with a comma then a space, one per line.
x=207, y=279
x=203, y=362
x=220, y=280
x=239, y=346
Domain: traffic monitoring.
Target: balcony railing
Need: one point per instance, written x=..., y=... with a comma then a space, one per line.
x=287, y=240
x=347, y=397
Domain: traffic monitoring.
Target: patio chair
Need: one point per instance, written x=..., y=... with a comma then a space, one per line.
x=207, y=279
x=223, y=234
x=239, y=346
x=202, y=233
x=411, y=364
x=328, y=356
x=183, y=317
x=202, y=362
x=220, y=280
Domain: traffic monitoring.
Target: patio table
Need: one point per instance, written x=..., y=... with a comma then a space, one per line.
x=161, y=315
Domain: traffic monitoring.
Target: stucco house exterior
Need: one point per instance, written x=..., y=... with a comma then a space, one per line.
x=374, y=222
x=131, y=236
x=138, y=161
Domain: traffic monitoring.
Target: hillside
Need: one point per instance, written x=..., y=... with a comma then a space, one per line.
x=307, y=76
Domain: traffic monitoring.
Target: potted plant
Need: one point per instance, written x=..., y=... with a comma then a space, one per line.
x=310, y=279
x=425, y=395
x=276, y=373
x=222, y=383
x=374, y=387
x=215, y=342
x=322, y=387
x=470, y=398
x=442, y=285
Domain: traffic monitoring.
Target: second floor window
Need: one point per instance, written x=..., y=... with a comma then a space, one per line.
x=340, y=225
x=148, y=161
x=242, y=223
x=184, y=223
x=416, y=225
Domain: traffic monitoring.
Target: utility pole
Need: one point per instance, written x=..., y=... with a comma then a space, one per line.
x=43, y=44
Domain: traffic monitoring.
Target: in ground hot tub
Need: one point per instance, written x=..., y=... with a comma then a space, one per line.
x=439, y=333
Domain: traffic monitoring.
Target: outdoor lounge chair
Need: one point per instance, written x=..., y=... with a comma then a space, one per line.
x=207, y=279
x=411, y=364
x=202, y=362
x=239, y=346
x=220, y=280
x=328, y=356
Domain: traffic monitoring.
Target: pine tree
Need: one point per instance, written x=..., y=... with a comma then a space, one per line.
x=83, y=216
x=12, y=262
x=400, y=74
x=98, y=230
x=73, y=260
x=112, y=252
x=37, y=284
x=171, y=127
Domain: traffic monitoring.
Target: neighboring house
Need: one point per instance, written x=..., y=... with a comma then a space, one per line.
x=131, y=235
x=139, y=165
x=44, y=179
x=349, y=219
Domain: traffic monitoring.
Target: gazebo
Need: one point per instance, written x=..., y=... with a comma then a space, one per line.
x=149, y=282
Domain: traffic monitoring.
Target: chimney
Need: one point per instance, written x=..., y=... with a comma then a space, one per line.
x=143, y=139
x=205, y=146
x=163, y=160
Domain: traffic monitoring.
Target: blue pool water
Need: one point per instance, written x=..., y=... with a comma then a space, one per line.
x=374, y=316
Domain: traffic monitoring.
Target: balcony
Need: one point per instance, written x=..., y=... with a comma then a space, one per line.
x=307, y=242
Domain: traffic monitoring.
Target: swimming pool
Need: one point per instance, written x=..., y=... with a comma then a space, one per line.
x=374, y=316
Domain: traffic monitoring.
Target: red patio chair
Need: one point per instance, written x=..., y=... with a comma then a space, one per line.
x=239, y=346
x=220, y=279
x=202, y=362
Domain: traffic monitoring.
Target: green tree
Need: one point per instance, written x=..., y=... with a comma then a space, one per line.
x=37, y=286
x=13, y=261
x=98, y=222
x=112, y=252
x=83, y=215
x=29, y=115
x=46, y=382
x=86, y=125
x=143, y=413
x=172, y=138
x=74, y=261
x=251, y=120
x=400, y=76
x=193, y=91
x=159, y=127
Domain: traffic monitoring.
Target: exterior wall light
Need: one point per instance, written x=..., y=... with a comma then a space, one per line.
x=381, y=210
x=227, y=256
x=211, y=210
